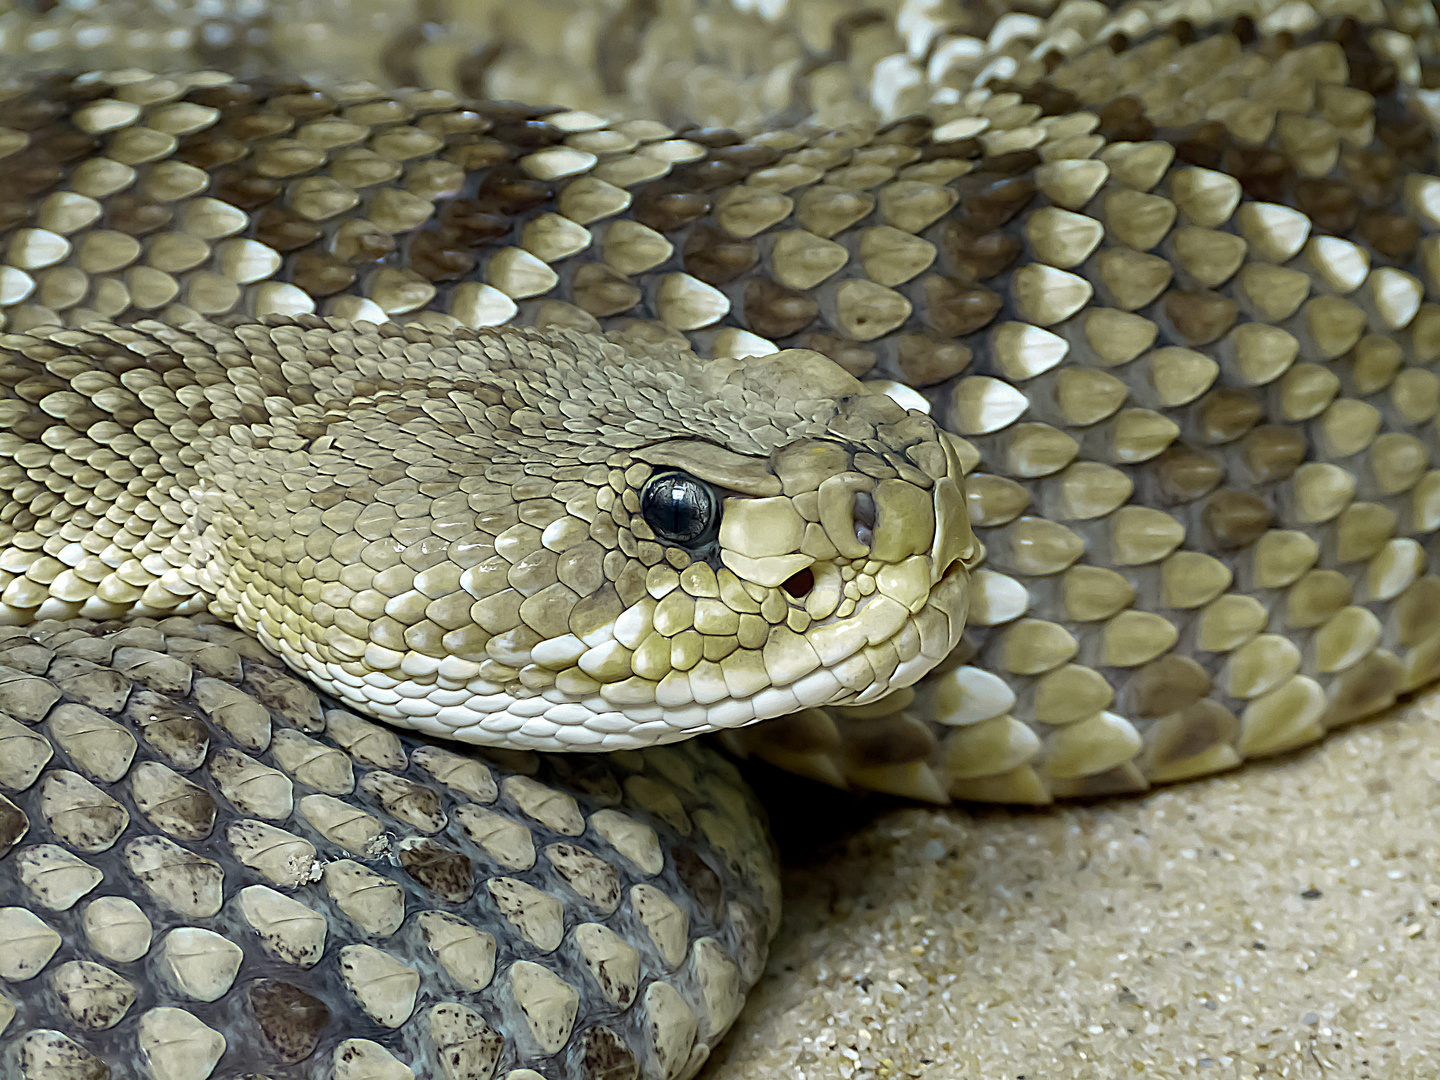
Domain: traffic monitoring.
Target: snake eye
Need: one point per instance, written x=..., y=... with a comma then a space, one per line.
x=680, y=508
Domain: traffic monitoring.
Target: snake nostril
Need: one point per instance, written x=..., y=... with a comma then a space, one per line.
x=799, y=584
x=864, y=514
x=956, y=565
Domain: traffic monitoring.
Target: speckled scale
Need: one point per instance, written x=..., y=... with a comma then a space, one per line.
x=156, y=916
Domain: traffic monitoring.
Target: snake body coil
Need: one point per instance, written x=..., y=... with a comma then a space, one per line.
x=524, y=427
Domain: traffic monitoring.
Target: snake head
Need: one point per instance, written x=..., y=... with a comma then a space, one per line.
x=553, y=540
x=831, y=569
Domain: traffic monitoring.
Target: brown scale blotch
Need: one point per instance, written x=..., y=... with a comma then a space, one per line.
x=1370, y=685
x=444, y=871
x=27, y=174
x=1414, y=613
x=1200, y=316
x=514, y=112
x=1374, y=172
x=255, y=125
x=436, y=256
x=907, y=131
x=701, y=882
x=32, y=111
x=970, y=257
x=1053, y=101
x=209, y=151
x=774, y=311
x=988, y=201
x=1369, y=71
x=708, y=174
x=14, y=213
x=291, y=1020
x=1124, y=119
x=320, y=273
x=1164, y=686
x=508, y=191
x=63, y=147
x=714, y=138
x=1183, y=31
x=924, y=360
x=956, y=150
x=1264, y=174
x=1203, y=145
x=13, y=825
x=528, y=134
x=472, y=225
x=1410, y=139
x=473, y=153
x=897, y=739
x=135, y=215
x=302, y=103
x=711, y=255
x=1235, y=519
x=1226, y=413
x=1331, y=205
x=803, y=732
x=954, y=310
x=1186, y=474
x=601, y=291
x=1243, y=29
x=602, y=1055
x=748, y=157
x=224, y=96
x=1392, y=236
x=664, y=209
x=284, y=230
x=1190, y=730
x=1273, y=452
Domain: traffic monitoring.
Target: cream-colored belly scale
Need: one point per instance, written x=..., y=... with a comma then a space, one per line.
x=543, y=429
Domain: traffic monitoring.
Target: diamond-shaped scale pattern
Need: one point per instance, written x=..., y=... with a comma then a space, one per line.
x=1201, y=473
x=1168, y=276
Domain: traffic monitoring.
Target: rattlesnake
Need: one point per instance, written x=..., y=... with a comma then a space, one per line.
x=1157, y=275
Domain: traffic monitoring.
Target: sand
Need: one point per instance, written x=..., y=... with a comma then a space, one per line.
x=1282, y=920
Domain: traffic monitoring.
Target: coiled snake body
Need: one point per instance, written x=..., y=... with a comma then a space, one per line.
x=528, y=428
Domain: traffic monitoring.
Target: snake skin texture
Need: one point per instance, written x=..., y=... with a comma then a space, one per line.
x=447, y=529
x=1165, y=278
x=1178, y=335
x=210, y=871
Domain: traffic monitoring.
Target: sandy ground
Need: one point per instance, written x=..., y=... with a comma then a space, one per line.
x=1279, y=921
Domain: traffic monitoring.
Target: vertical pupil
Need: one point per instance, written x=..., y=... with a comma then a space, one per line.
x=679, y=508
